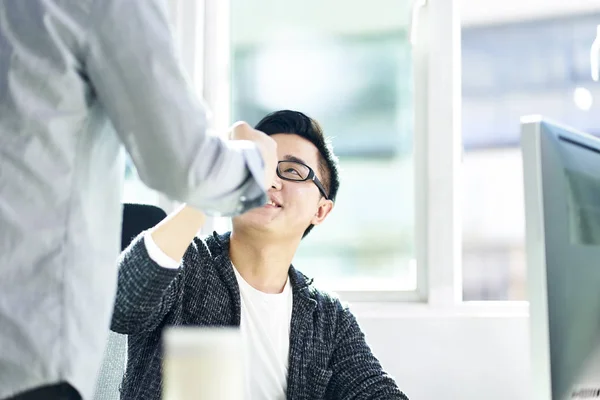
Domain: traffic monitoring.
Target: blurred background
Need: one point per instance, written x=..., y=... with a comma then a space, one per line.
x=510, y=70
x=352, y=72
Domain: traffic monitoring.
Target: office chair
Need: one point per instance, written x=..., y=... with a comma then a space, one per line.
x=136, y=219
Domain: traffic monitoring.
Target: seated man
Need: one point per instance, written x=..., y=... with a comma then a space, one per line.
x=300, y=342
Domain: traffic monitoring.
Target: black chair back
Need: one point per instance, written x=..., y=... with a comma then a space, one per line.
x=136, y=219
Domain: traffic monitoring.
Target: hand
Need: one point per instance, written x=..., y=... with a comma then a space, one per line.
x=266, y=145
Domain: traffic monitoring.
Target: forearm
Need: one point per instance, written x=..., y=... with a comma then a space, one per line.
x=174, y=234
x=145, y=289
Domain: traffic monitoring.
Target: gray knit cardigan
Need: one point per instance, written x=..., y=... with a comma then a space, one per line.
x=329, y=358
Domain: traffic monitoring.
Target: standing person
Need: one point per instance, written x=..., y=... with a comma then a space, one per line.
x=70, y=71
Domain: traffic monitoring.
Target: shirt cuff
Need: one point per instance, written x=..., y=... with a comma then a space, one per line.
x=157, y=255
x=250, y=193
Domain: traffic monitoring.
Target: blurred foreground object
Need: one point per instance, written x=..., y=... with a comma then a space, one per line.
x=202, y=364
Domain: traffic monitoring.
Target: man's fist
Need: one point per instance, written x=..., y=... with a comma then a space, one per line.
x=266, y=145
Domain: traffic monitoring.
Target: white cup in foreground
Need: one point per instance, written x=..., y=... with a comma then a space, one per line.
x=202, y=364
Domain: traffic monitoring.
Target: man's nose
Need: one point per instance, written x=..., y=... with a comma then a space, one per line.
x=277, y=183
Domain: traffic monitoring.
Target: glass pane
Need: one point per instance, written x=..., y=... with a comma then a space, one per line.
x=352, y=74
x=511, y=70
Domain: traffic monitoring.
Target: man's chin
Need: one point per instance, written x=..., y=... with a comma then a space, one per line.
x=256, y=219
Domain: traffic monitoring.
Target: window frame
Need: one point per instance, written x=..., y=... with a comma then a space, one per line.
x=202, y=28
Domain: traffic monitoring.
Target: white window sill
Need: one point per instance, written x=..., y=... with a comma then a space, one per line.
x=476, y=309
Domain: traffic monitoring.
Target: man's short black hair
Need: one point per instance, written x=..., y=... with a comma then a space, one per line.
x=295, y=122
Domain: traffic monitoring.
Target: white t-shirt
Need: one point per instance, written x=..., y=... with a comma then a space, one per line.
x=265, y=327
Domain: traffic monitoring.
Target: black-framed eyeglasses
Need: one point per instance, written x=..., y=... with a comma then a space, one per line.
x=299, y=172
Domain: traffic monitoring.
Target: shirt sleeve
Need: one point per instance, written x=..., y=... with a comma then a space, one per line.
x=131, y=63
x=146, y=291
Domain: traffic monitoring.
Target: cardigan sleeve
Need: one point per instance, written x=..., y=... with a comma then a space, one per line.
x=357, y=374
x=146, y=291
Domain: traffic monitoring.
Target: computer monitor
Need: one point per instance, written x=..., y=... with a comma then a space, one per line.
x=562, y=207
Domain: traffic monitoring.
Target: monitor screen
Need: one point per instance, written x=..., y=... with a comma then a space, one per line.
x=582, y=169
x=562, y=210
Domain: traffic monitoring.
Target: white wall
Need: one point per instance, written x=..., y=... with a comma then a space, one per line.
x=464, y=357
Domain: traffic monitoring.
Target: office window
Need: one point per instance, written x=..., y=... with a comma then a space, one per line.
x=511, y=70
x=348, y=65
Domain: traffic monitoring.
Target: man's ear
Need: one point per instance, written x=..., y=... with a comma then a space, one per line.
x=325, y=207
